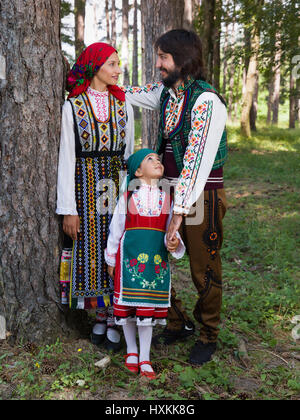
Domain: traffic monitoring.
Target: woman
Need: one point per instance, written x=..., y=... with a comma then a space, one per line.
x=97, y=135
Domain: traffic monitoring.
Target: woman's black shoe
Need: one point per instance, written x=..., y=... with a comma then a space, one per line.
x=202, y=353
x=112, y=345
x=97, y=339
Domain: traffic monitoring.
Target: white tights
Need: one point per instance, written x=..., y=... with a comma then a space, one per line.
x=145, y=338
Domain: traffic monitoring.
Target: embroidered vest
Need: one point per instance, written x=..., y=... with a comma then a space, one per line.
x=92, y=135
x=179, y=136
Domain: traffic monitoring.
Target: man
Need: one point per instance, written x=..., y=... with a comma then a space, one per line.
x=192, y=142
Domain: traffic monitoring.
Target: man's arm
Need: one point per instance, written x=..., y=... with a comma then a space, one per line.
x=147, y=96
x=208, y=122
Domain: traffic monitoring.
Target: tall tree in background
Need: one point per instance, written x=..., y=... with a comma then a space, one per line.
x=113, y=24
x=208, y=11
x=217, y=45
x=251, y=78
x=107, y=21
x=135, y=50
x=157, y=18
x=125, y=34
x=30, y=104
x=79, y=8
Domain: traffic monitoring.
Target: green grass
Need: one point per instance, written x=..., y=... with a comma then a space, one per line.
x=257, y=357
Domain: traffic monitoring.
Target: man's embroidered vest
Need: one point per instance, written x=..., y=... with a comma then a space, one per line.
x=180, y=135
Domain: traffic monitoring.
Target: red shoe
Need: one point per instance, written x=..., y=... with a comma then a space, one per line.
x=132, y=367
x=149, y=375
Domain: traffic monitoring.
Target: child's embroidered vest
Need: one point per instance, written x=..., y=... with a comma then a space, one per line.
x=179, y=136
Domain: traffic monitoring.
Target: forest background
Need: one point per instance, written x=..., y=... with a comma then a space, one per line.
x=252, y=56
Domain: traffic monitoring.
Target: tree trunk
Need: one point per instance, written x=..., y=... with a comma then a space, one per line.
x=187, y=21
x=270, y=100
x=251, y=75
x=254, y=107
x=292, y=110
x=276, y=71
x=157, y=18
x=249, y=87
x=216, y=45
x=208, y=8
x=125, y=32
x=135, y=65
x=225, y=59
x=107, y=21
x=113, y=24
x=79, y=26
x=30, y=105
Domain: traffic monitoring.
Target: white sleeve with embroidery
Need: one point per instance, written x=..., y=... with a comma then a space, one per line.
x=129, y=131
x=208, y=122
x=66, y=203
x=147, y=96
x=116, y=231
x=180, y=251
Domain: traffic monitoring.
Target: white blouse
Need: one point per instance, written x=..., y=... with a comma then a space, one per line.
x=66, y=202
x=147, y=200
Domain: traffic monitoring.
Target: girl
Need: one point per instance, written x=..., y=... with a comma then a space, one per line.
x=97, y=134
x=137, y=258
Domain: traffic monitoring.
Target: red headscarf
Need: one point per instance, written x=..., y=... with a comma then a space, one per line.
x=85, y=68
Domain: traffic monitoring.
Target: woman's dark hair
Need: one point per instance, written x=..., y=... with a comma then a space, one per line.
x=186, y=50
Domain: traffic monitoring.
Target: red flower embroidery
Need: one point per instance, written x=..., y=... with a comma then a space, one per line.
x=133, y=263
x=157, y=269
x=164, y=265
x=142, y=268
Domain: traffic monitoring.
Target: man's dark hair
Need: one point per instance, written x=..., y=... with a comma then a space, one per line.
x=186, y=50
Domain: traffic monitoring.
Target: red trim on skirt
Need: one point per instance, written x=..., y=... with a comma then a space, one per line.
x=122, y=311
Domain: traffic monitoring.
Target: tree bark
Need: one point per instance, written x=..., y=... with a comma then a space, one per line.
x=113, y=24
x=217, y=45
x=157, y=18
x=187, y=21
x=30, y=105
x=270, y=99
x=135, y=70
x=79, y=26
x=249, y=87
x=208, y=10
x=277, y=77
x=254, y=107
x=292, y=97
x=107, y=21
x=125, y=33
x=251, y=75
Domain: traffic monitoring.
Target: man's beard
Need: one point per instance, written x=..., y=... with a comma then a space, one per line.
x=172, y=78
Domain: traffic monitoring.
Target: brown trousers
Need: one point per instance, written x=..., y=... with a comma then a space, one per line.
x=203, y=243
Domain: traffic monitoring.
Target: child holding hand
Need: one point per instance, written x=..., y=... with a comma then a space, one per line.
x=137, y=258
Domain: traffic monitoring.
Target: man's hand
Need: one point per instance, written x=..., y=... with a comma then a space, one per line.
x=174, y=227
x=71, y=226
x=111, y=271
x=173, y=245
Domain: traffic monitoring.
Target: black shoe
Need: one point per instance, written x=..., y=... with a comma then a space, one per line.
x=97, y=339
x=202, y=353
x=111, y=345
x=168, y=337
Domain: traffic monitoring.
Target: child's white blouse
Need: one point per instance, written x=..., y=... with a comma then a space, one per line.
x=147, y=202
